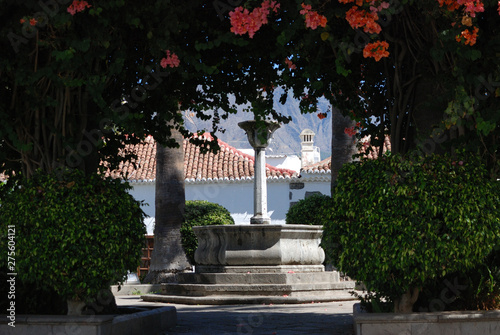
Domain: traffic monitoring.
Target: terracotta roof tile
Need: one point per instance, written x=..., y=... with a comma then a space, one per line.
x=325, y=165
x=373, y=154
x=229, y=164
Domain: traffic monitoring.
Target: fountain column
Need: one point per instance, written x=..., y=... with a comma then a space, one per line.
x=259, y=135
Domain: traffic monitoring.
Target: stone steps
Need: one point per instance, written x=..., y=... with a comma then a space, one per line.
x=252, y=289
x=258, y=278
x=311, y=297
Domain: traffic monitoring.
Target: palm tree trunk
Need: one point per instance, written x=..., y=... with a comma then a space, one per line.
x=168, y=257
x=343, y=146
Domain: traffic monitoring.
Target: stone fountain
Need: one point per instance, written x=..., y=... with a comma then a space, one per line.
x=259, y=262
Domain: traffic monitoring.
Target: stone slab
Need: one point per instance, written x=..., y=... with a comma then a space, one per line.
x=258, y=268
x=261, y=289
x=135, y=289
x=249, y=300
x=258, y=278
x=150, y=321
x=435, y=323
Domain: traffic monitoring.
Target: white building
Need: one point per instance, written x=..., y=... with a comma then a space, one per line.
x=227, y=179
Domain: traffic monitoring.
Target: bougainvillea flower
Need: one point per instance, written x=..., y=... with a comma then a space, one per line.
x=377, y=50
x=360, y=18
x=290, y=64
x=351, y=131
x=468, y=36
x=313, y=19
x=471, y=7
x=243, y=21
x=171, y=60
x=78, y=6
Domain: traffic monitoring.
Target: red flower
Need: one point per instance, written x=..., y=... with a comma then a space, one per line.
x=33, y=22
x=321, y=116
x=290, y=64
x=351, y=131
x=78, y=6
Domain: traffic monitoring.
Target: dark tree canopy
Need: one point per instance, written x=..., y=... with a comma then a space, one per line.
x=77, y=84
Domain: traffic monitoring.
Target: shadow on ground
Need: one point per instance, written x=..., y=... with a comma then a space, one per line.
x=265, y=320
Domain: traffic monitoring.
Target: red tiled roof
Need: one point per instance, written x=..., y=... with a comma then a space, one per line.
x=228, y=164
x=373, y=154
x=325, y=165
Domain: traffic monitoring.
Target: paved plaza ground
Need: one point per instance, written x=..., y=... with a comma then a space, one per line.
x=300, y=319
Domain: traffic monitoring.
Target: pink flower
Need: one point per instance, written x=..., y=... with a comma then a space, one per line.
x=383, y=5
x=305, y=9
x=472, y=6
x=78, y=6
x=313, y=19
x=171, y=60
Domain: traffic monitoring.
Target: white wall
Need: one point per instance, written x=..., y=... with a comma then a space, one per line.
x=297, y=194
x=237, y=197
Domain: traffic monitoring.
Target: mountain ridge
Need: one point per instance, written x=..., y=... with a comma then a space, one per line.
x=286, y=139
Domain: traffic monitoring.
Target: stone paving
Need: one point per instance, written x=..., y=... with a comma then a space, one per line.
x=300, y=319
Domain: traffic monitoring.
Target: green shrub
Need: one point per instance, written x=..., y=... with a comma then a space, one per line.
x=310, y=211
x=475, y=289
x=75, y=235
x=201, y=213
x=403, y=223
x=314, y=210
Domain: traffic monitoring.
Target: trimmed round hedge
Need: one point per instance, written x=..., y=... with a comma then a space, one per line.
x=310, y=211
x=314, y=210
x=201, y=213
x=402, y=223
x=74, y=234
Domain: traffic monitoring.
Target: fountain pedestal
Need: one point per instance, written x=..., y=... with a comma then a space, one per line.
x=260, y=262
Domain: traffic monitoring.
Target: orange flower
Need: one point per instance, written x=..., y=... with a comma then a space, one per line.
x=377, y=50
x=360, y=18
x=33, y=22
x=468, y=36
x=243, y=21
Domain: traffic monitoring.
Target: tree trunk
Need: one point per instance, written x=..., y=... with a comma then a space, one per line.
x=405, y=303
x=427, y=120
x=168, y=257
x=343, y=146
